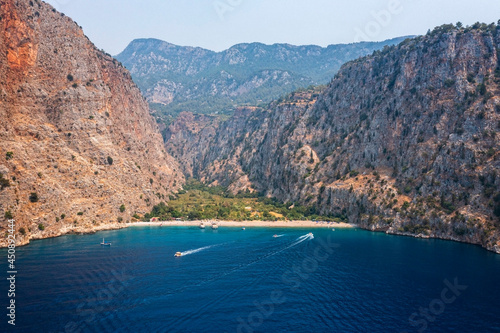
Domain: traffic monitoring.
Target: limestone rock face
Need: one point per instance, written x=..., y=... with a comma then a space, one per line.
x=405, y=140
x=76, y=137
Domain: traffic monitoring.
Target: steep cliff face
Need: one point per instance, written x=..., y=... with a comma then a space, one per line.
x=176, y=78
x=404, y=140
x=76, y=138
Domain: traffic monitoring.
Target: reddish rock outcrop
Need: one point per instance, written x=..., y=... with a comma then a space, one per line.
x=76, y=138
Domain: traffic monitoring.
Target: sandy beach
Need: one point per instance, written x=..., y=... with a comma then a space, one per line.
x=249, y=224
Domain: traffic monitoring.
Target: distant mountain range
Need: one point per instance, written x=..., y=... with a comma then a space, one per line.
x=177, y=78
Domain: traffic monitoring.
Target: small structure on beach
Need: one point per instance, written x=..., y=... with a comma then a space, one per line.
x=154, y=219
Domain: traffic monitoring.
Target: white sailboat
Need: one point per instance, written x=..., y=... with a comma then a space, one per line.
x=104, y=243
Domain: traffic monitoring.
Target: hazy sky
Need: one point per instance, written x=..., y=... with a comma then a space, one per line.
x=219, y=24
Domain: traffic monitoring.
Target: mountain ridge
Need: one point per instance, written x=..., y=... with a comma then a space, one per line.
x=403, y=141
x=79, y=150
x=175, y=78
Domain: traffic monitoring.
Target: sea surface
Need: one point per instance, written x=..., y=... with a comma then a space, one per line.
x=234, y=280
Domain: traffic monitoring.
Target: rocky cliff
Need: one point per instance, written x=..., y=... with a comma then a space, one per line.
x=175, y=78
x=403, y=141
x=78, y=148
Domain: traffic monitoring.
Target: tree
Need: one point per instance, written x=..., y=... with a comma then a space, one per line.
x=110, y=160
x=33, y=197
x=482, y=89
x=122, y=208
x=3, y=182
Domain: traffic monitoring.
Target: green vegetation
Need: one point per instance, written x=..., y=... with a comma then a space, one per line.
x=195, y=91
x=496, y=209
x=4, y=182
x=122, y=208
x=33, y=197
x=198, y=201
x=69, y=77
x=22, y=231
x=449, y=83
x=8, y=215
x=9, y=155
x=41, y=227
x=79, y=213
x=482, y=89
x=110, y=160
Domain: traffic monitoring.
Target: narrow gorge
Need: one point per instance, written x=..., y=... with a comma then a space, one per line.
x=403, y=141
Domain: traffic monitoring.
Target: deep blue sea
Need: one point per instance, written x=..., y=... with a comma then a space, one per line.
x=233, y=280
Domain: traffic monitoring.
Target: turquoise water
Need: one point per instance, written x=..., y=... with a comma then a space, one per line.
x=248, y=281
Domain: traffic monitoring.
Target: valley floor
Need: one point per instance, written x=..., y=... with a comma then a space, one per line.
x=277, y=224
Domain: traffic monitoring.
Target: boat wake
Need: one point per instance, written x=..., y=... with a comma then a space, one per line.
x=278, y=236
x=202, y=309
x=188, y=252
x=299, y=240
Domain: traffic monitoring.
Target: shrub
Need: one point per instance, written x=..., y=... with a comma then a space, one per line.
x=406, y=205
x=63, y=216
x=3, y=182
x=79, y=213
x=482, y=89
x=69, y=77
x=151, y=181
x=57, y=219
x=119, y=219
x=75, y=85
x=41, y=227
x=22, y=231
x=122, y=208
x=449, y=83
x=110, y=160
x=33, y=197
x=8, y=215
x=496, y=210
x=9, y=155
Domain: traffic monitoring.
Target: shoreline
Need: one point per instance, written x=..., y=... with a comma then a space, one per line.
x=234, y=224
x=247, y=224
